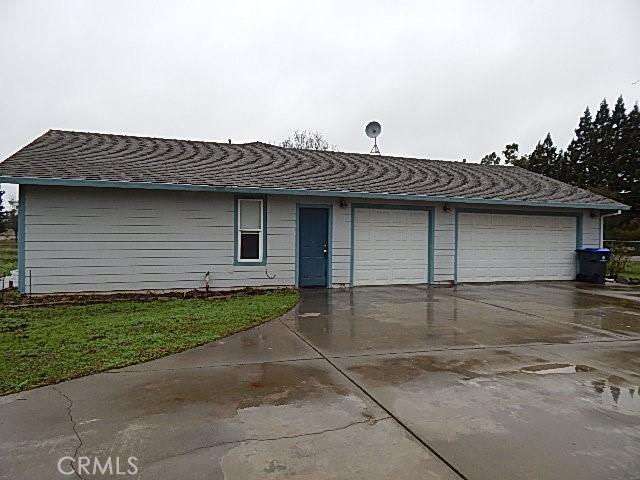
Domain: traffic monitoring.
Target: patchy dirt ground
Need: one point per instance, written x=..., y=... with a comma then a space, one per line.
x=11, y=298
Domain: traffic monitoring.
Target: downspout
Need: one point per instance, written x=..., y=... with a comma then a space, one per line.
x=602, y=225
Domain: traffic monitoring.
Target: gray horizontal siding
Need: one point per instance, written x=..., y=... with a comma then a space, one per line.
x=591, y=230
x=102, y=240
x=113, y=240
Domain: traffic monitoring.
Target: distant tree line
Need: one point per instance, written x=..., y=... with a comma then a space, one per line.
x=603, y=157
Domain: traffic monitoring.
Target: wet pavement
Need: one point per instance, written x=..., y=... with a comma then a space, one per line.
x=535, y=380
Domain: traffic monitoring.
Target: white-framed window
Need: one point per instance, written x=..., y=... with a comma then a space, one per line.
x=250, y=230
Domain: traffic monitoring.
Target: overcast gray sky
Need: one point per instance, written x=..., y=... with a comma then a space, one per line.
x=449, y=80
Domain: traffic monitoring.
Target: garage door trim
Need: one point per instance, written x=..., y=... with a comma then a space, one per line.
x=577, y=216
x=430, y=227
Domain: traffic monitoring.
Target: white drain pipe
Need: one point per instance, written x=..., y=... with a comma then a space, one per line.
x=602, y=225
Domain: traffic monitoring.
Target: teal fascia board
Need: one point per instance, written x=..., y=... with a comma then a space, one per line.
x=455, y=251
x=22, y=214
x=431, y=245
x=320, y=193
x=430, y=233
x=517, y=212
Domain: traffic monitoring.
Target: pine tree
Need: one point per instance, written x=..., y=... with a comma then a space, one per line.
x=630, y=158
x=580, y=149
x=619, y=173
x=564, y=169
x=544, y=157
x=600, y=163
x=604, y=157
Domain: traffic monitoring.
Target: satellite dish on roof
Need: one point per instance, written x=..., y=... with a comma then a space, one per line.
x=373, y=129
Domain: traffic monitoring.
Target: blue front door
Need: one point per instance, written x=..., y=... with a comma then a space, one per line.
x=313, y=247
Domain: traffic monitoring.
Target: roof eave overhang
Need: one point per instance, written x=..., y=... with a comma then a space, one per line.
x=288, y=191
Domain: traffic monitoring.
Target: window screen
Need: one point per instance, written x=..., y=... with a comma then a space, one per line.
x=249, y=246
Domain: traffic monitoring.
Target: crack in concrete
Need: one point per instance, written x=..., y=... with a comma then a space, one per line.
x=371, y=421
x=369, y=395
x=74, y=426
x=197, y=367
x=587, y=328
x=485, y=347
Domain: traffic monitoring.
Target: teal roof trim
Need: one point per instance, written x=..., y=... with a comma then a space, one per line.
x=319, y=193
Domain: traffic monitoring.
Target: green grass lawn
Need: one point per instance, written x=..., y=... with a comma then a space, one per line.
x=42, y=345
x=8, y=256
x=632, y=270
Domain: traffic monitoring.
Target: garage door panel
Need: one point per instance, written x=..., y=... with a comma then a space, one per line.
x=401, y=235
x=525, y=221
x=382, y=255
x=400, y=274
x=502, y=247
x=390, y=246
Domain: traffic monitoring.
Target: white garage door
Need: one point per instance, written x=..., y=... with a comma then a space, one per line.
x=503, y=248
x=390, y=246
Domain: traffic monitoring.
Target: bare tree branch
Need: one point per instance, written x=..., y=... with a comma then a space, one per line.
x=307, y=140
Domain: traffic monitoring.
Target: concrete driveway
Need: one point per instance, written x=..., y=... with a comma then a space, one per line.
x=521, y=381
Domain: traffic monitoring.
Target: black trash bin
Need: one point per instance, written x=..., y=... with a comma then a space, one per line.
x=592, y=264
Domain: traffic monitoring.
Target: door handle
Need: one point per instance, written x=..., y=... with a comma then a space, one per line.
x=324, y=250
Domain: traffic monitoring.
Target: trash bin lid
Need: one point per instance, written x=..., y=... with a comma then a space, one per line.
x=594, y=250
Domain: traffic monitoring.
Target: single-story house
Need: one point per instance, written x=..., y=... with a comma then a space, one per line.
x=102, y=212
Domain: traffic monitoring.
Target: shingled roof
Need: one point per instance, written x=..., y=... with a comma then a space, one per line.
x=96, y=159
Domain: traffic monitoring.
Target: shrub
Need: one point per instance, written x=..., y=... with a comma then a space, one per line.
x=620, y=257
